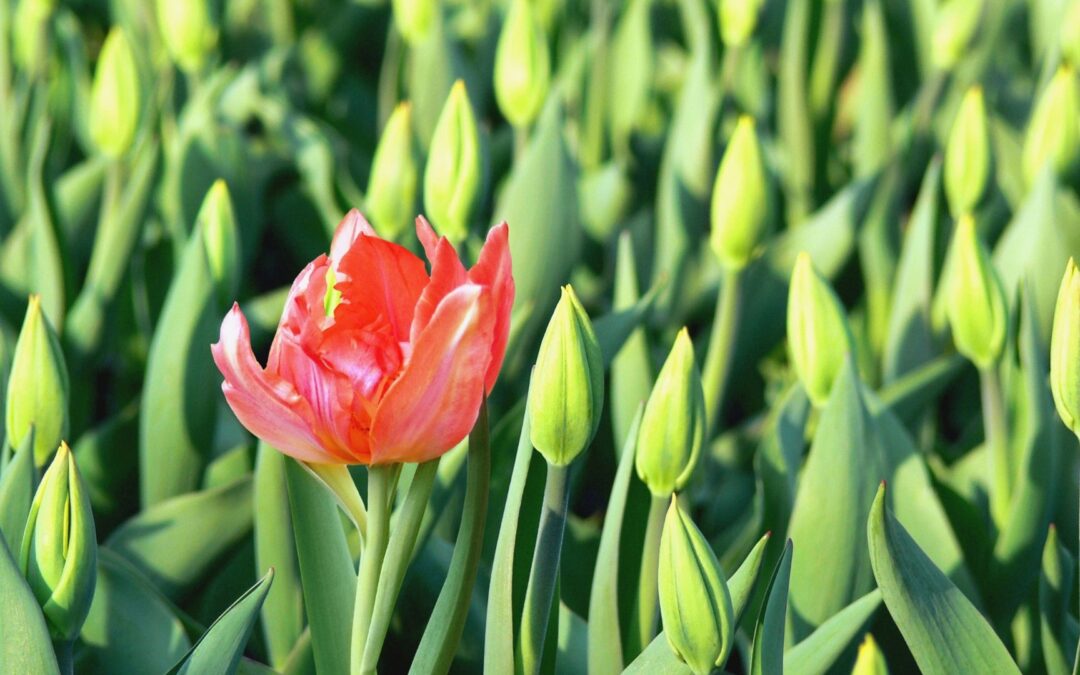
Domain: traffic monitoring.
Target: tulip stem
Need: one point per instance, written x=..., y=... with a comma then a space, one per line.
x=545, y=569
x=64, y=657
x=521, y=141
x=379, y=483
x=721, y=352
x=647, y=601
x=997, y=444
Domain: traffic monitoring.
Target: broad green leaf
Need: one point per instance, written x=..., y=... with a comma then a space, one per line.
x=108, y=457
x=872, y=138
x=794, y=123
x=17, y=485
x=631, y=367
x=768, y=647
x=658, y=659
x=25, y=645
x=779, y=456
x=742, y=582
x=1055, y=589
x=818, y=653
x=944, y=631
x=572, y=643
x=910, y=395
x=47, y=275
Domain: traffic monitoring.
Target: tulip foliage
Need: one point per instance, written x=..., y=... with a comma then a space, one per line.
x=539, y=336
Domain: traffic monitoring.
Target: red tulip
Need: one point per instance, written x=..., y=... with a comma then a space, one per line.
x=396, y=371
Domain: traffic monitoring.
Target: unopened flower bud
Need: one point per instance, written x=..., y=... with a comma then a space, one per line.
x=391, y=193
x=37, y=391
x=739, y=200
x=672, y=427
x=1070, y=34
x=217, y=223
x=115, y=100
x=738, y=19
x=975, y=301
x=818, y=334
x=414, y=18
x=522, y=65
x=59, y=547
x=1053, y=133
x=967, y=154
x=870, y=660
x=452, y=174
x=567, y=390
x=955, y=26
x=189, y=32
x=695, y=604
x=1065, y=349
x=30, y=37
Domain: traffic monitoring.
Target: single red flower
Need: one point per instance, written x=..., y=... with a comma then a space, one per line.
x=393, y=370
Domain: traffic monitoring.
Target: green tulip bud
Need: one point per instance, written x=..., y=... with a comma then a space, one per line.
x=870, y=660
x=1053, y=133
x=452, y=175
x=1070, y=34
x=739, y=201
x=967, y=154
x=672, y=428
x=189, y=32
x=976, y=301
x=217, y=222
x=38, y=386
x=738, y=19
x=391, y=193
x=30, y=34
x=695, y=604
x=59, y=547
x=414, y=18
x=115, y=100
x=567, y=390
x=818, y=334
x=955, y=26
x=1065, y=349
x=522, y=66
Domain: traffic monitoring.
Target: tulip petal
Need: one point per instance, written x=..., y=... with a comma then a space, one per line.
x=351, y=226
x=428, y=239
x=267, y=405
x=495, y=271
x=435, y=401
x=447, y=273
x=305, y=298
x=381, y=279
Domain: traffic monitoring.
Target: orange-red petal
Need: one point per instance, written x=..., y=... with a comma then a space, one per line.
x=495, y=271
x=381, y=279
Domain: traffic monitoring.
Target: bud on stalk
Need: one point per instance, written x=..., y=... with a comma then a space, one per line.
x=870, y=660
x=115, y=99
x=975, y=299
x=818, y=334
x=391, y=193
x=522, y=66
x=738, y=19
x=414, y=18
x=1065, y=349
x=739, y=201
x=955, y=26
x=218, y=225
x=189, y=32
x=567, y=391
x=967, y=154
x=452, y=174
x=1053, y=133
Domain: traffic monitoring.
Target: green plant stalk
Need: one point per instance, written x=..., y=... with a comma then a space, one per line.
x=379, y=482
x=396, y=563
x=997, y=444
x=647, y=602
x=827, y=58
x=521, y=143
x=721, y=352
x=545, y=569
x=64, y=656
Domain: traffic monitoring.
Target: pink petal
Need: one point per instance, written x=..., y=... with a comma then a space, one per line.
x=447, y=273
x=351, y=226
x=494, y=270
x=426, y=234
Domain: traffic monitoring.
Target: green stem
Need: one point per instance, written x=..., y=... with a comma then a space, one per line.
x=521, y=142
x=379, y=480
x=396, y=562
x=721, y=353
x=64, y=657
x=650, y=562
x=997, y=444
x=545, y=569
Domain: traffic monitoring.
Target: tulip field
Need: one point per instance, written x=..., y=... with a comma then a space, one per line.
x=522, y=337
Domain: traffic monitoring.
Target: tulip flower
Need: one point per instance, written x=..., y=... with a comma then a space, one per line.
x=818, y=334
x=967, y=154
x=375, y=361
x=976, y=302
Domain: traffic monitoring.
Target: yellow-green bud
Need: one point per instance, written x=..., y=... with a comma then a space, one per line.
x=217, y=222
x=738, y=19
x=1070, y=34
x=30, y=34
x=59, y=547
x=522, y=65
x=452, y=174
x=955, y=26
x=1065, y=349
x=818, y=334
x=567, y=390
x=115, y=100
x=1053, y=133
x=189, y=31
x=414, y=18
x=37, y=392
x=739, y=201
x=975, y=300
x=391, y=193
x=672, y=427
x=695, y=604
x=967, y=154
x=870, y=660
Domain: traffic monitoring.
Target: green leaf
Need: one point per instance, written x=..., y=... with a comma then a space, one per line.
x=219, y=650
x=768, y=648
x=944, y=631
x=17, y=486
x=170, y=544
x=779, y=456
x=741, y=584
x=658, y=659
x=25, y=645
x=817, y=653
x=46, y=250
x=1055, y=589
x=631, y=368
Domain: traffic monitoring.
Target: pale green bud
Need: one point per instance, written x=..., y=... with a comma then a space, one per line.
x=954, y=28
x=59, y=547
x=870, y=660
x=672, y=427
x=30, y=34
x=818, y=334
x=567, y=390
x=1065, y=349
x=452, y=174
x=115, y=100
x=189, y=31
x=738, y=19
x=975, y=300
x=217, y=223
x=391, y=193
x=1070, y=34
x=740, y=209
x=1053, y=133
x=522, y=66
x=695, y=604
x=37, y=392
x=414, y=18
x=967, y=154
